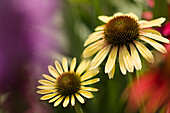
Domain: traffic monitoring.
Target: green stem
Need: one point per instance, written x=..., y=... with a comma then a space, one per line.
x=78, y=108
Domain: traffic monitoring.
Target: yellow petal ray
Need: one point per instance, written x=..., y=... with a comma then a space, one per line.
x=155, y=22
x=105, y=19
x=89, y=74
x=127, y=59
x=88, y=88
x=46, y=87
x=66, y=101
x=48, y=96
x=58, y=101
x=155, y=37
x=73, y=64
x=53, y=71
x=98, y=59
x=46, y=82
x=99, y=28
x=134, y=16
x=92, y=81
x=118, y=14
x=93, y=48
x=111, y=59
x=45, y=91
x=54, y=99
x=80, y=99
x=82, y=67
x=154, y=44
x=135, y=57
x=152, y=31
x=121, y=62
x=93, y=37
x=111, y=73
x=145, y=52
x=48, y=77
x=86, y=94
x=65, y=64
x=58, y=67
x=72, y=100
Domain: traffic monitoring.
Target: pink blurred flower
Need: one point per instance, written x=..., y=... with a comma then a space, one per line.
x=147, y=15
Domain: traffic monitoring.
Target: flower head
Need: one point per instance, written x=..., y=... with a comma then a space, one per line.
x=65, y=85
x=121, y=35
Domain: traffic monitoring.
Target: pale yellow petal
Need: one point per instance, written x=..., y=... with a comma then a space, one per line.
x=46, y=82
x=152, y=31
x=93, y=37
x=111, y=73
x=93, y=48
x=98, y=59
x=65, y=64
x=46, y=87
x=92, y=81
x=82, y=67
x=45, y=91
x=58, y=101
x=99, y=28
x=48, y=77
x=118, y=14
x=66, y=101
x=121, y=62
x=89, y=74
x=54, y=99
x=72, y=100
x=154, y=44
x=127, y=59
x=86, y=94
x=80, y=99
x=58, y=67
x=135, y=57
x=155, y=22
x=145, y=52
x=53, y=71
x=105, y=19
x=134, y=15
x=88, y=88
x=73, y=64
x=48, y=96
x=111, y=60
x=155, y=37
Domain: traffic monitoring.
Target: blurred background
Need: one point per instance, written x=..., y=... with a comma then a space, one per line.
x=34, y=33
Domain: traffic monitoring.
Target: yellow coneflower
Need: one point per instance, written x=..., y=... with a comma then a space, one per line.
x=67, y=85
x=121, y=35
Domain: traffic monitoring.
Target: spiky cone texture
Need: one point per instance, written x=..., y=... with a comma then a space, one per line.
x=121, y=37
x=67, y=85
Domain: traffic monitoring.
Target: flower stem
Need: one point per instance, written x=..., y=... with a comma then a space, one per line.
x=78, y=108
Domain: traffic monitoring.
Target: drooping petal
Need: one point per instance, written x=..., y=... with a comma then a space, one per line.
x=135, y=57
x=155, y=37
x=48, y=77
x=111, y=73
x=58, y=101
x=46, y=82
x=46, y=91
x=86, y=94
x=111, y=59
x=65, y=64
x=48, y=96
x=151, y=31
x=152, y=23
x=89, y=74
x=72, y=100
x=105, y=19
x=121, y=61
x=89, y=88
x=94, y=37
x=46, y=87
x=145, y=52
x=54, y=99
x=92, y=81
x=99, y=28
x=53, y=71
x=58, y=67
x=82, y=67
x=80, y=99
x=66, y=101
x=73, y=64
x=154, y=44
x=93, y=48
x=98, y=59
